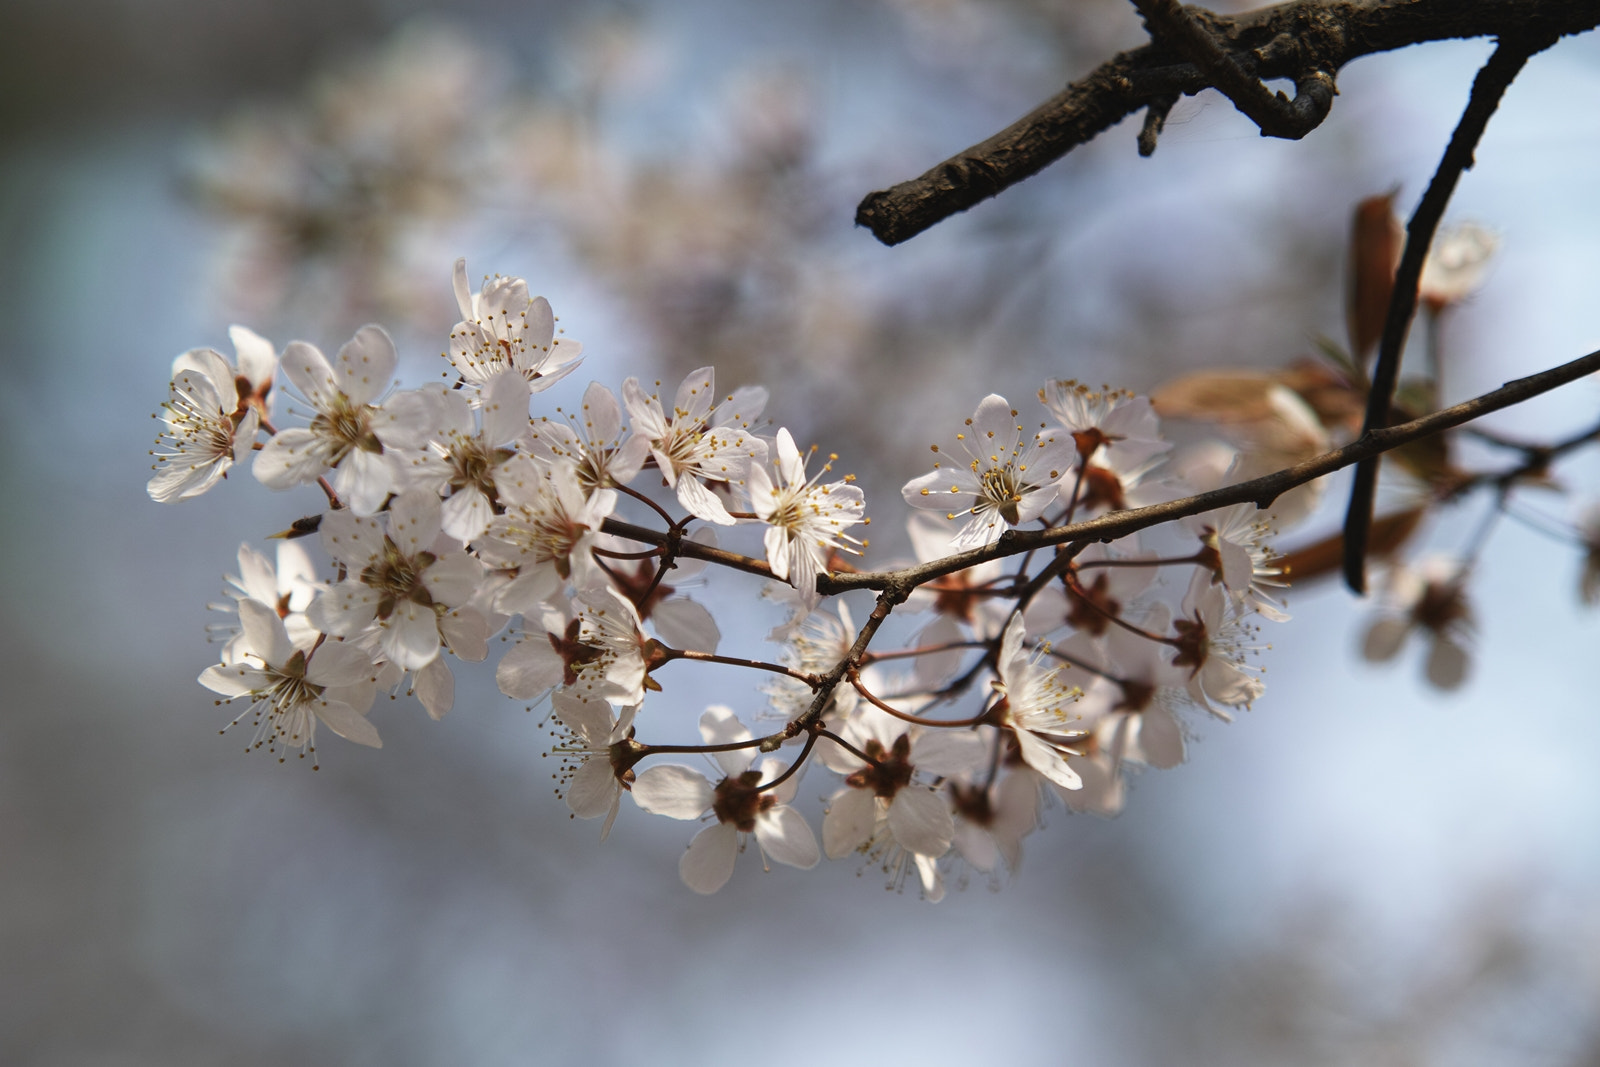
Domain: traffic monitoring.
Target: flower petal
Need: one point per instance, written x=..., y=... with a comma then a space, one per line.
x=674, y=791
x=786, y=837
x=708, y=863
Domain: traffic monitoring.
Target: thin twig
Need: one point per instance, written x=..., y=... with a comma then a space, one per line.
x=1487, y=89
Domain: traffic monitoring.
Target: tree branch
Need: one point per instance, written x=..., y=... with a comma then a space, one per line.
x=1301, y=41
x=1259, y=491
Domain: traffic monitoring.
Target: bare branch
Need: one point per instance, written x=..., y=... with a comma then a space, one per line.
x=1302, y=41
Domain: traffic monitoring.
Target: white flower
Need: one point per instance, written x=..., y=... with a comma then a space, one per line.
x=600, y=653
x=1036, y=708
x=805, y=520
x=738, y=801
x=464, y=460
x=1212, y=646
x=594, y=786
x=1235, y=536
x=290, y=690
x=407, y=580
x=505, y=330
x=205, y=435
x=595, y=444
x=996, y=478
x=702, y=441
x=347, y=433
x=547, y=531
x=1108, y=422
x=884, y=810
x=813, y=645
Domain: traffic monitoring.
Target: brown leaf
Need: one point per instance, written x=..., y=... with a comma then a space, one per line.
x=1376, y=240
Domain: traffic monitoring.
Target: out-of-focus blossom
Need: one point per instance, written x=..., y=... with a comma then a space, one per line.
x=1456, y=265
x=1427, y=597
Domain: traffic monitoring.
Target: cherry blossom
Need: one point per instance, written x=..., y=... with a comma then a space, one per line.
x=348, y=431
x=410, y=582
x=997, y=477
x=702, y=441
x=805, y=520
x=205, y=433
x=597, y=737
x=739, y=802
x=504, y=329
x=291, y=690
x=1035, y=704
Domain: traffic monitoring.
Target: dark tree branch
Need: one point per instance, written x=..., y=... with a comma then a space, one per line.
x=1487, y=89
x=1302, y=41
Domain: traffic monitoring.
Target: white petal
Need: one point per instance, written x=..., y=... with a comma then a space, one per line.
x=347, y=722
x=290, y=457
x=684, y=623
x=466, y=514
x=414, y=521
x=365, y=364
x=364, y=480
x=674, y=791
x=589, y=719
x=708, y=863
x=232, y=680
x=264, y=633
x=410, y=635
x=701, y=502
x=530, y=670
x=338, y=663
x=786, y=837
x=466, y=631
x=351, y=539
x=308, y=369
x=719, y=726
x=453, y=578
x=345, y=610
x=849, y=822
x=257, y=358
x=1047, y=760
x=504, y=404
x=920, y=820
x=1160, y=738
x=593, y=788
x=435, y=686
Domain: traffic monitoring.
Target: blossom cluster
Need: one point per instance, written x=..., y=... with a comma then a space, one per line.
x=455, y=514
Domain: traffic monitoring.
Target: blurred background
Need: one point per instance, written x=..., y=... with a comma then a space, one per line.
x=1360, y=870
